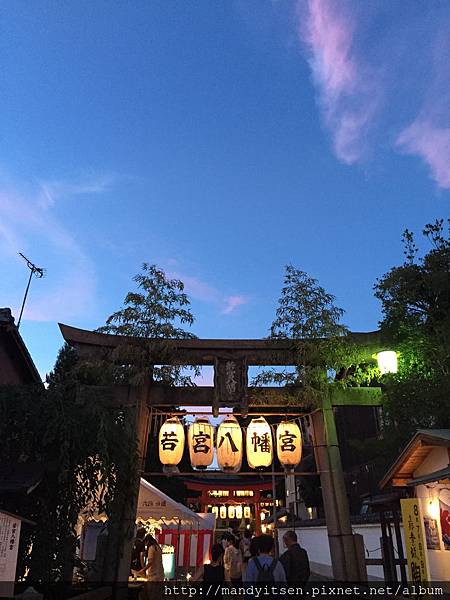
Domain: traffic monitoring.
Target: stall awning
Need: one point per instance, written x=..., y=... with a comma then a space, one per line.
x=155, y=505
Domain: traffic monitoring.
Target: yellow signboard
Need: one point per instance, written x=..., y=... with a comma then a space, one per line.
x=414, y=539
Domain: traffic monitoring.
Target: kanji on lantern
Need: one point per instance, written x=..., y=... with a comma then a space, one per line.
x=229, y=445
x=259, y=443
x=201, y=443
x=171, y=442
x=289, y=444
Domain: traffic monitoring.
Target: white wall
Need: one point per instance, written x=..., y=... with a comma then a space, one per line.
x=315, y=542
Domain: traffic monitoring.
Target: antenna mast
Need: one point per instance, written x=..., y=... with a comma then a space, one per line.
x=37, y=272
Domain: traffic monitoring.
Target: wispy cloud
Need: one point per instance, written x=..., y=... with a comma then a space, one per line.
x=348, y=92
x=51, y=191
x=432, y=144
x=366, y=92
x=201, y=290
x=428, y=136
x=28, y=225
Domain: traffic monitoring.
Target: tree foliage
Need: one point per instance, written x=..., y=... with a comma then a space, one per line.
x=308, y=316
x=305, y=309
x=74, y=436
x=415, y=298
x=159, y=310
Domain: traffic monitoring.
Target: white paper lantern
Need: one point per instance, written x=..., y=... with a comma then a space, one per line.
x=259, y=444
x=171, y=442
x=229, y=445
x=289, y=444
x=215, y=511
x=201, y=443
x=247, y=512
x=223, y=512
x=231, y=512
x=239, y=511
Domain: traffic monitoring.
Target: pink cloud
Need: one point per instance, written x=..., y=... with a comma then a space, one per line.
x=348, y=93
x=232, y=302
x=432, y=144
x=195, y=287
x=201, y=290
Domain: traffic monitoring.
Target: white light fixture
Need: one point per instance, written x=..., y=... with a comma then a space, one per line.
x=387, y=361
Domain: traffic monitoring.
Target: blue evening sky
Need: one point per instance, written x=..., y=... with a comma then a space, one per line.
x=220, y=140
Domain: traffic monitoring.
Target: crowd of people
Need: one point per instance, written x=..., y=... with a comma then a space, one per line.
x=251, y=560
x=235, y=560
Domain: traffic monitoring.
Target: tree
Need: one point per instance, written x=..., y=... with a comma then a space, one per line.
x=307, y=315
x=74, y=437
x=305, y=310
x=158, y=310
x=415, y=298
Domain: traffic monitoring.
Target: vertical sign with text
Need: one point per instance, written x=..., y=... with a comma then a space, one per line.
x=416, y=548
x=9, y=543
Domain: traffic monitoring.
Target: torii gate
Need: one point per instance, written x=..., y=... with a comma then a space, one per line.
x=231, y=359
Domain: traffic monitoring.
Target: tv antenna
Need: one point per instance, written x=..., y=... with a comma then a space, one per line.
x=37, y=272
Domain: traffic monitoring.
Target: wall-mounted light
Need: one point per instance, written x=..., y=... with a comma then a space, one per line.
x=387, y=361
x=433, y=509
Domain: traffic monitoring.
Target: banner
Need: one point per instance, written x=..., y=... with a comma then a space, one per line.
x=415, y=540
x=444, y=509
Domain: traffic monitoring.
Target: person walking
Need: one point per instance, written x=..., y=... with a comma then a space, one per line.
x=264, y=568
x=295, y=560
x=232, y=560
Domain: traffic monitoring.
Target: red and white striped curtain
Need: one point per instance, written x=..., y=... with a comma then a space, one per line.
x=192, y=547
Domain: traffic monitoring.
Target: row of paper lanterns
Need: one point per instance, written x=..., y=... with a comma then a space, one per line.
x=233, y=512
x=229, y=443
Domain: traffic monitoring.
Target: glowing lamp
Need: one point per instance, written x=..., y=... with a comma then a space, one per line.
x=171, y=443
x=289, y=444
x=229, y=445
x=215, y=511
x=387, y=361
x=239, y=511
x=433, y=509
x=247, y=512
x=201, y=443
x=231, y=512
x=223, y=512
x=259, y=444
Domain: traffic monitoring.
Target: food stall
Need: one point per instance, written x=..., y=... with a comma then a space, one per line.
x=185, y=537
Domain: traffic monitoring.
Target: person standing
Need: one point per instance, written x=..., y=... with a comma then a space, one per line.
x=295, y=560
x=244, y=547
x=212, y=572
x=232, y=560
x=154, y=564
x=264, y=568
x=138, y=553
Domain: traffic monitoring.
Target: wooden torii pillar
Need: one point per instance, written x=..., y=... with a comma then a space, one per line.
x=231, y=358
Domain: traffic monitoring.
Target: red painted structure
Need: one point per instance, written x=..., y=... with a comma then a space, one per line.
x=207, y=497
